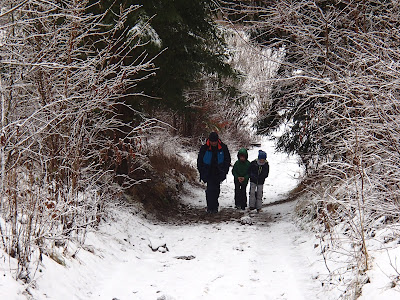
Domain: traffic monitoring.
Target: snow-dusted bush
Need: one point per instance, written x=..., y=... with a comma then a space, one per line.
x=257, y=66
x=62, y=73
x=338, y=88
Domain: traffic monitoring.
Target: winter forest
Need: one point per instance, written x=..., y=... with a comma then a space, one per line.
x=106, y=103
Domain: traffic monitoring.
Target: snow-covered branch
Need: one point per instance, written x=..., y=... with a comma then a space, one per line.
x=63, y=75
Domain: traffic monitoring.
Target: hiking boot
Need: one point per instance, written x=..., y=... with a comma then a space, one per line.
x=258, y=210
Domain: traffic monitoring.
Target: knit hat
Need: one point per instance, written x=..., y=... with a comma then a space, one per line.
x=213, y=137
x=262, y=154
x=243, y=152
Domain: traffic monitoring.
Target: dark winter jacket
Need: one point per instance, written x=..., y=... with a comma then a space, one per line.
x=241, y=168
x=213, y=162
x=257, y=172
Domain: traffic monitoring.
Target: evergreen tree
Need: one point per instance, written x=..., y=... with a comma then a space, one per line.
x=190, y=44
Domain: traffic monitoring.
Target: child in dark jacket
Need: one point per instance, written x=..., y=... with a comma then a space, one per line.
x=258, y=172
x=240, y=173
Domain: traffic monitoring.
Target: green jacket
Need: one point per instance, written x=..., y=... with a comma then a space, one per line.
x=240, y=169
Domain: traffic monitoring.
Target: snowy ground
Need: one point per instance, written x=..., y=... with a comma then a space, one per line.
x=270, y=259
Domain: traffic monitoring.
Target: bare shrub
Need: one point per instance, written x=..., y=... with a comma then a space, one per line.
x=62, y=73
x=337, y=88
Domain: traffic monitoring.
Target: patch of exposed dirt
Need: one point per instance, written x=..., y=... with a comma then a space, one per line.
x=187, y=215
x=176, y=213
x=182, y=214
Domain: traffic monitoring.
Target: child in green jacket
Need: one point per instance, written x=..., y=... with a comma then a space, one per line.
x=241, y=175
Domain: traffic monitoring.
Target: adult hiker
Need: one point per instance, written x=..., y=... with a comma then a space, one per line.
x=213, y=163
x=240, y=173
x=258, y=172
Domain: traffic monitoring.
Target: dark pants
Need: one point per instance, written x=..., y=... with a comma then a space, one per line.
x=212, y=194
x=240, y=195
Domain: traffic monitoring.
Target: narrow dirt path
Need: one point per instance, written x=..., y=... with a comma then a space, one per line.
x=187, y=215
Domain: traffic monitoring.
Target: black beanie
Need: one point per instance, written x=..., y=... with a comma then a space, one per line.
x=213, y=137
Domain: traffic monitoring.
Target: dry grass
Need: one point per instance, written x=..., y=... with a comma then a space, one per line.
x=167, y=174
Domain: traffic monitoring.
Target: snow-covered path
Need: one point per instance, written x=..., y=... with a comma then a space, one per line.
x=231, y=262
x=271, y=259
x=268, y=260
